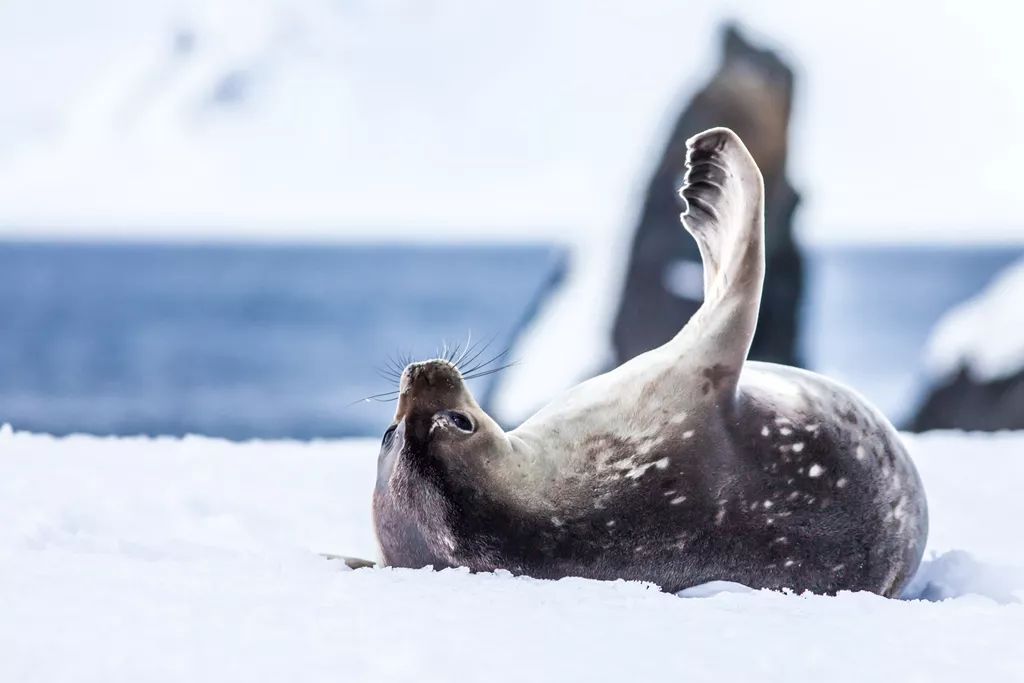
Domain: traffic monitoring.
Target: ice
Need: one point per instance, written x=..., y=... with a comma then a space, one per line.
x=125, y=559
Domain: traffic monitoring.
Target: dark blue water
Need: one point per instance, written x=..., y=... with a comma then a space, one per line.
x=249, y=341
x=241, y=341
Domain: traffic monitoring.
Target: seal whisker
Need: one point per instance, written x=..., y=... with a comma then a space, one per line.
x=453, y=351
x=465, y=349
x=456, y=352
x=386, y=396
x=491, y=371
x=386, y=393
x=484, y=364
x=387, y=375
x=478, y=353
x=395, y=368
x=391, y=371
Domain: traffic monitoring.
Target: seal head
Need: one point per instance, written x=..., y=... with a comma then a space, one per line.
x=439, y=459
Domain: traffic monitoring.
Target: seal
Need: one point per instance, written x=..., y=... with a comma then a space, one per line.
x=685, y=465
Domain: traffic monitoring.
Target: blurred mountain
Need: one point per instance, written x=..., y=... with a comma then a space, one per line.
x=976, y=357
x=751, y=92
x=435, y=120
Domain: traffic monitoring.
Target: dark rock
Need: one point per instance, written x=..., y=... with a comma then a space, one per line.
x=963, y=402
x=751, y=92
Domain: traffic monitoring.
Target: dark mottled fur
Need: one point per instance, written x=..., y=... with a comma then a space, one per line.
x=836, y=538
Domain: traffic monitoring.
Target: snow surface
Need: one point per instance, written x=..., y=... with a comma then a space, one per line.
x=985, y=335
x=196, y=559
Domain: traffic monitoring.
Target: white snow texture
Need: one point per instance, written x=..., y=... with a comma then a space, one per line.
x=197, y=560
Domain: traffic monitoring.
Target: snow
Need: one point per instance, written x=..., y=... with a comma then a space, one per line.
x=985, y=335
x=196, y=559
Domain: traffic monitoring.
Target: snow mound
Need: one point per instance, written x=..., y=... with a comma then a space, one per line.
x=956, y=573
x=984, y=335
x=126, y=559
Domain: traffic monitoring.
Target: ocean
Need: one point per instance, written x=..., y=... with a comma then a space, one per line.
x=243, y=341
x=249, y=342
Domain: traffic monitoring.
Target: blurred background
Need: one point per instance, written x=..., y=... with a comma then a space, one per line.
x=234, y=218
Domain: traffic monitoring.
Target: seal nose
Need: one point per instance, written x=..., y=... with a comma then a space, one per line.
x=436, y=375
x=431, y=386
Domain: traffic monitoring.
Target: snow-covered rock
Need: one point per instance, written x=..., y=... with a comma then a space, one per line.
x=197, y=559
x=975, y=359
x=985, y=335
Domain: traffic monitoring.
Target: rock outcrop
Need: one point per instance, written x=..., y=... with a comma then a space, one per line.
x=965, y=402
x=976, y=360
x=751, y=92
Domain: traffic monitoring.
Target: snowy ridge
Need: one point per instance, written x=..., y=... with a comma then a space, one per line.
x=984, y=335
x=196, y=559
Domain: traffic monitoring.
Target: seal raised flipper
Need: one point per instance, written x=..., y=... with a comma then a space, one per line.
x=695, y=373
x=724, y=195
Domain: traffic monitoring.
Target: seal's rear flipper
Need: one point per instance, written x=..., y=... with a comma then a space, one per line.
x=350, y=562
x=724, y=196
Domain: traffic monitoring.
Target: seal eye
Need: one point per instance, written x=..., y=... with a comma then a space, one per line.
x=389, y=436
x=460, y=420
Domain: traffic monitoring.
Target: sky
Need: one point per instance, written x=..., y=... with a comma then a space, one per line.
x=487, y=121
